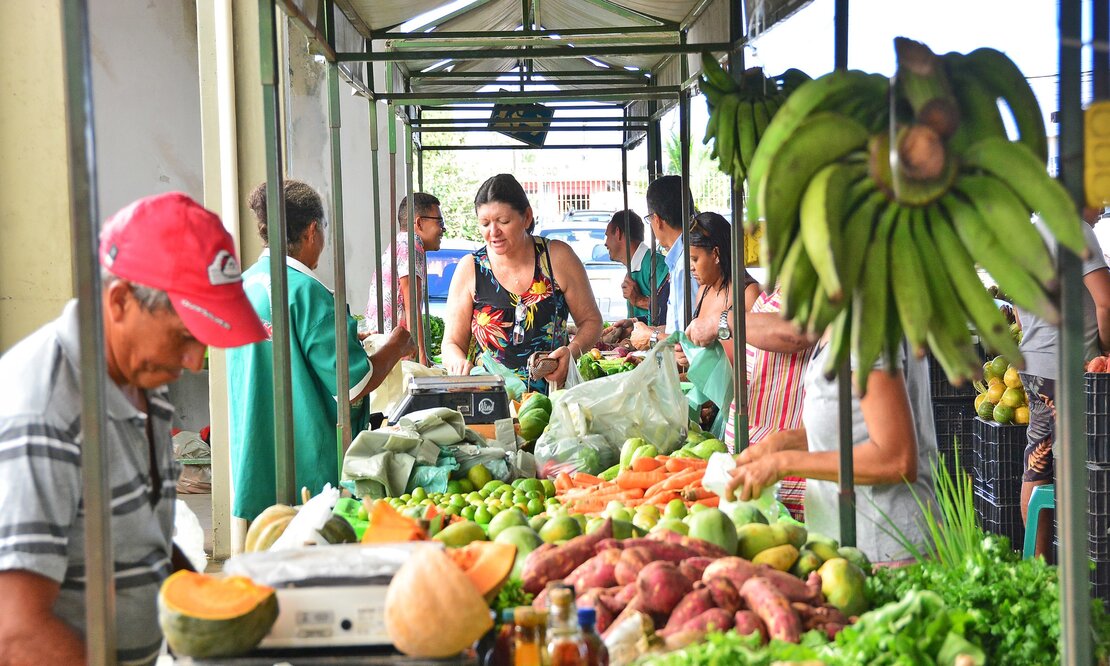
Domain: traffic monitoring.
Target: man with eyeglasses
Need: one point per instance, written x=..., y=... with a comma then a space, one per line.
x=429, y=232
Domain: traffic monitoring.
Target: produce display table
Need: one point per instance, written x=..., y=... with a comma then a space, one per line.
x=320, y=657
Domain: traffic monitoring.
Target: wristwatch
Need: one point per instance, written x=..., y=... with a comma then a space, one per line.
x=654, y=339
x=723, y=331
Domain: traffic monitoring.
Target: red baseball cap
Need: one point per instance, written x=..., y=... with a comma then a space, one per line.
x=172, y=243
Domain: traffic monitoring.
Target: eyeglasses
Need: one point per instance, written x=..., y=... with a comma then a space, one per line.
x=649, y=216
x=518, y=322
x=439, y=220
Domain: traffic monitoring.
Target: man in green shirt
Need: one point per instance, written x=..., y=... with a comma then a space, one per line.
x=312, y=361
x=637, y=284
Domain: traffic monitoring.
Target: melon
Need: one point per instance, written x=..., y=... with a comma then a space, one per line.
x=204, y=616
x=487, y=564
x=426, y=589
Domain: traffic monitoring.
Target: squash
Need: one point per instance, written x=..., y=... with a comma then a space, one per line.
x=270, y=515
x=487, y=564
x=386, y=525
x=431, y=607
x=205, y=616
x=268, y=527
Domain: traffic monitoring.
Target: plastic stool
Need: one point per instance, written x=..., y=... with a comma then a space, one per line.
x=1043, y=497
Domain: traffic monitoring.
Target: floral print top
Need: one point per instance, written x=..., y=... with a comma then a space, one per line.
x=514, y=326
x=402, y=270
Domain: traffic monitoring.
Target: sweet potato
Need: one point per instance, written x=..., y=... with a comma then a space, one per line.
x=700, y=548
x=609, y=544
x=598, y=571
x=747, y=622
x=543, y=566
x=694, y=567
x=714, y=619
x=772, y=606
x=808, y=591
x=632, y=560
x=661, y=550
x=725, y=595
x=661, y=586
x=624, y=595
x=634, y=607
x=681, y=639
x=595, y=599
x=736, y=570
x=832, y=629
x=692, y=605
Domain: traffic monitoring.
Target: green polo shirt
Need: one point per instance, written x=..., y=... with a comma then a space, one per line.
x=641, y=275
x=250, y=377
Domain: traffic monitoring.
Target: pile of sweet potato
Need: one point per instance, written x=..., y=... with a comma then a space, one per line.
x=687, y=586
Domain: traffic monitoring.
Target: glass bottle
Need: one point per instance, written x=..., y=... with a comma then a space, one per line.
x=527, y=644
x=503, y=646
x=565, y=646
x=596, y=652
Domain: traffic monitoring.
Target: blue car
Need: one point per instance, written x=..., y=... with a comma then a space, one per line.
x=441, y=268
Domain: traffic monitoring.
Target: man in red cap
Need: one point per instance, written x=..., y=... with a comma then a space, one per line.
x=171, y=287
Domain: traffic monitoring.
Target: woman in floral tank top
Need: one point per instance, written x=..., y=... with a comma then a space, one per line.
x=516, y=295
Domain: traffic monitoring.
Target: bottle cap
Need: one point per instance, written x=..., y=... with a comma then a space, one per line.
x=587, y=616
x=507, y=615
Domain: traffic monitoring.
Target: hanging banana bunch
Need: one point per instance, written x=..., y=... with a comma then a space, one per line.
x=877, y=200
x=739, y=112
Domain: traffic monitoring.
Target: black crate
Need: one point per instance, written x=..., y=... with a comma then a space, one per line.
x=1098, y=417
x=952, y=423
x=1098, y=492
x=939, y=386
x=999, y=459
x=1003, y=519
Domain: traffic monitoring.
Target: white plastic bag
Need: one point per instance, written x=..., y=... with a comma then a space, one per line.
x=716, y=478
x=645, y=402
x=305, y=526
x=189, y=535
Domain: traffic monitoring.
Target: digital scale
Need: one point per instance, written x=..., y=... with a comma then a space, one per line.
x=328, y=597
x=479, y=398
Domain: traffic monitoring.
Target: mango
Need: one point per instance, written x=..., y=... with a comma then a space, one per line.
x=780, y=557
x=714, y=526
x=744, y=513
x=525, y=539
x=560, y=528
x=674, y=525
x=459, y=534
x=644, y=521
x=755, y=538
x=843, y=584
x=479, y=476
x=855, y=556
x=509, y=518
x=536, y=522
x=808, y=562
x=796, y=534
x=623, y=529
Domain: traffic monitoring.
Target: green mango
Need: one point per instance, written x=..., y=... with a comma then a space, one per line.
x=536, y=522
x=796, y=534
x=696, y=437
x=459, y=534
x=622, y=528
x=714, y=526
x=672, y=524
x=744, y=513
x=560, y=528
x=844, y=585
x=535, y=401
x=755, y=538
x=532, y=424
x=611, y=473
x=823, y=550
x=855, y=556
x=525, y=539
x=808, y=562
x=506, y=519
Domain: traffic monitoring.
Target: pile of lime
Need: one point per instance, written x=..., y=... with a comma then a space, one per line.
x=531, y=496
x=1001, y=397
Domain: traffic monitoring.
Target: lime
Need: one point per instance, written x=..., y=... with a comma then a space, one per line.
x=694, y=508
x=535, y=494
x=493, y=503
x=465, y=486
x=1003, y=414
x=419, y=494
x=648, y=509
x=672, y=524
x=621, y=514
x=475, y=497
x=999, y=365
x=405, y=498
x=457, y=500
x=676, y=508
x=552, y=501
x=534, y=507
x=468, y=511
x=645, y=521
x=480, y=476
x=548, y=487
x=1013, y=397
x=988, y=372
x=454, y=487
x=482, y=515
x=362, y=514
x=1021, y=415
x=985, y=410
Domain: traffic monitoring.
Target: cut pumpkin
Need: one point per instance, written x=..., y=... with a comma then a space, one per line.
x=430, y=586
x=206, y=616
x=386, y=525
x=487, y=564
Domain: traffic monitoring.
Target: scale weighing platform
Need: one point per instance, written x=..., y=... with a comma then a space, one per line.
x=479, y=398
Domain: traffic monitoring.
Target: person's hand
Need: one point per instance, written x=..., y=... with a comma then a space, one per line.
x=460, y=366
x=401, y=340
x=629, y=290
x=641, y=335
x=702, y=332
x=748, y=481
x=783, y=440
x=563, y=355
x=680, y=357
x=617, y=331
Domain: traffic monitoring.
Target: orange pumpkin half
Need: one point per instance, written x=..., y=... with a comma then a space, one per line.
x=206, y=616
x=487, y=564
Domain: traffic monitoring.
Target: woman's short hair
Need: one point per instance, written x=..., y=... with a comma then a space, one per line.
x=710, y=230
x=502, y=188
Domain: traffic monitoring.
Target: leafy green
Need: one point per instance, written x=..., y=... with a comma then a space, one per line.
x=435, y=336
x=732, y=649
x=589, y=368
x=511, y=595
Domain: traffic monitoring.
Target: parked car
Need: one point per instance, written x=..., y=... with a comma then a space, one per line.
x=441, y=268
x=587, y=239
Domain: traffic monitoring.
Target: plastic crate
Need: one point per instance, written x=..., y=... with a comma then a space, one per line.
x=1098, y=417
x=939, y=386
x=1001, y=519
x=952, y=423
x=1098, y=512
x=999, y=459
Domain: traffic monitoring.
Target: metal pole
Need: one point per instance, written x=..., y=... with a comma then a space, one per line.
x=539, y=52
x=343, y=433
x=739, y=265
x=413, y=311
x=1071, y=452
x=284, y=461
x=653, y=166
x=1100, y=11
x=391, y=127
x=684, y=143
x=624, y=190
x=84, y=216
x=375, y=175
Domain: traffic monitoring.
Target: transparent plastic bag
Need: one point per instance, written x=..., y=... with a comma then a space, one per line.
x=711, y=374
x=716, y=480
x=645, y=402
x=514, y=385
x=592, y=454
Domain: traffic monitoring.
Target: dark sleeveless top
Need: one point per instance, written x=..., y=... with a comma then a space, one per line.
x=495, y=326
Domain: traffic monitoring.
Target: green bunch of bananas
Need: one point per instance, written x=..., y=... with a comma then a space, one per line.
x=740, y=111
x=876, y=203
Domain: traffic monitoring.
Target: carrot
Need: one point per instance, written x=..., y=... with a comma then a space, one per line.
x=663, y=497
x=693, y=493
x=679, y=464
x=587, y=506
x=563, y=482
x=645, y=465
x=713, y=501
x=676, y=481
x=629, y=479
x=584, y=479
x=632, y=493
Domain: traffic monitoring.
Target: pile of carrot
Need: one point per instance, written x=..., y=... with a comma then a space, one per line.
x=655, y=480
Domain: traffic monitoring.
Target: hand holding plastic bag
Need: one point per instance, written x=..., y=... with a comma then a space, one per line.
x=514, y=385
x=711, y=374
x=717, y=476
